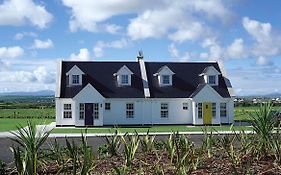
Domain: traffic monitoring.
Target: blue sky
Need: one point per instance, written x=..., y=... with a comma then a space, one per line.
x=242, y=35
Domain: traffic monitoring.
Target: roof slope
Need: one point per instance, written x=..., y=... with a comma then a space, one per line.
x=100, y=75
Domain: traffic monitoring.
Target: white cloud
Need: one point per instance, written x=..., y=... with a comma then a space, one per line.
x=11, y=52
x=177, y=20
x=40, y=44
x=43, y=75
x=20, y=35
x=263, y=61
x=237, y=49
x=83, y=55
x=173, y=50
x=117, y=44
x=19, y=12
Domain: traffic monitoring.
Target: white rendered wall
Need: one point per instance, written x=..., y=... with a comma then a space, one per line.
x=59, y=111
x=89, y=95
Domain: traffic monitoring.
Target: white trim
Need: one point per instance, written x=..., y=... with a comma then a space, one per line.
x=58, y=80
x=75, y=67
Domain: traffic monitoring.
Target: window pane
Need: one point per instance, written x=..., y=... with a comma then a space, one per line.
x=165, y=79
x=214, y=110
x=82, y=111
x=124, y=79
x=130, y=110
x=96, y=111
x=212, y=79
x=164, y=110
x=75, y=79
x=107, y=106
x=223, y=112
x=199, y=106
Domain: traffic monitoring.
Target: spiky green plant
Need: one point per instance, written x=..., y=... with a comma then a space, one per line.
x=170, y=147
x=2, y=167
x=263, y=122
x=130, y=147
x=147, y=143
x=113, y=143
x=208, y=142
x=72, y=151
x=30, y=140
x=87, y=156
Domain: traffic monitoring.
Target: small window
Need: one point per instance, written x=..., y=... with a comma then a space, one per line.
x=165, y=79
x=81, y=111
x=223, y=109
x=75, y=79
x=130, y=110
x=96, y=111
x=124, y=79
x=185, y=106
x=214, y=110
x=211, y=79
x=164, y=110
x=107, y=106
x=199, y=106
x=67, y=113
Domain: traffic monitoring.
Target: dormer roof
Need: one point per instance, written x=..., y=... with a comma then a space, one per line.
x=164, y=70
x=210, y=70
x=75, y=70
x=123, y=70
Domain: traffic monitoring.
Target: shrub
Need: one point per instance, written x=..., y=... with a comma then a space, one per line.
x=2, y=167
x=130, y=148
x=113, y=143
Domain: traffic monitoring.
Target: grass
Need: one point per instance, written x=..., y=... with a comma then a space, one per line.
x=244, y=113
x=32, y=113
x=7, y=124
x=170, y=128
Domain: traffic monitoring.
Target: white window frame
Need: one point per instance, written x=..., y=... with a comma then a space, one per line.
x=130, y=110
x=199, y=110
x=124, y=81
x=185, y=106
x=81, y=111
x=223, y=109
x=67, y=112
x=215, y=79
x=164, y=80
x=214, y=110
x=96, y=111
x=164, y=110
x=107, y=106
x=75, y=79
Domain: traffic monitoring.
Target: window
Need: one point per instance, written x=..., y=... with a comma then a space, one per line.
x=165, y=79
x=199, y=106
x=185, y=106
x=107, y=106
x=81, y=111
x=67, y=111
x=164, y=110
x=211, y=79
x=214, y=110
x=223, y=109
x=130, y=110
x=75, y=79
x=96, y=111
x=124, y=79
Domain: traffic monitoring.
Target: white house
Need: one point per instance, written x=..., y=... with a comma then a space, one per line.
x=142, y=93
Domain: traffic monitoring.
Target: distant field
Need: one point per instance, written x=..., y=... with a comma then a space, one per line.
x=11, y=124
x=30, y=113
x=244, y=113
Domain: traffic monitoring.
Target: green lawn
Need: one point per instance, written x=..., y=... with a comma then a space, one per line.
x=33, y=113
x=244, y=113
x=7, y=124
x=180, y=128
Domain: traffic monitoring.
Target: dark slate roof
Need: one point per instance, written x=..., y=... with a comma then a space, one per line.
x=186, y=79
x=100, y=76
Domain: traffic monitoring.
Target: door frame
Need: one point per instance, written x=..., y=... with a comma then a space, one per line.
x=207, y=113
x=89, y=118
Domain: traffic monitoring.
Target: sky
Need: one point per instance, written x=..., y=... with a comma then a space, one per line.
x=244, y=36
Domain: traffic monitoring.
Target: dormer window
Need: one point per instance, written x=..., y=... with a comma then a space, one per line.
x=75, y=79
x=212, y=79
x=211, y=75
x=165, y=76
x=165, y=79
x=124, y=79
x=74, y=76
x=123, y=76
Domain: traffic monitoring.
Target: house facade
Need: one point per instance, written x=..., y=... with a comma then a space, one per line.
x=142, y=93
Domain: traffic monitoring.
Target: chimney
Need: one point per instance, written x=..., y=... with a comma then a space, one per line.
x=140, y=56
